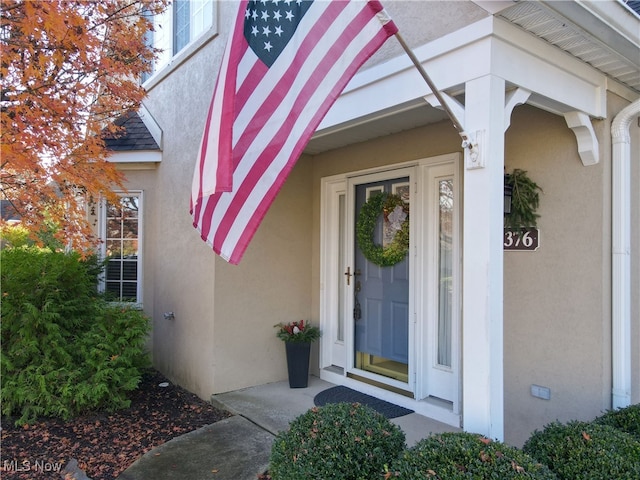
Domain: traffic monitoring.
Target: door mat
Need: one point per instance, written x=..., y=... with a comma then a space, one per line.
x=341, y=394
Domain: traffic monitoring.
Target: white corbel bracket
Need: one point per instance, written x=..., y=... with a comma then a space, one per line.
x=473, y=144
x=512, y=99
x=454, y=105
x=588, y=148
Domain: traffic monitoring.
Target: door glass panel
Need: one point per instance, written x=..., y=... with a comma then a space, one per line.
x=445, y=271
x=381, y=296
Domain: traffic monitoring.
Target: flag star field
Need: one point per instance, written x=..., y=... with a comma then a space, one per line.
x=270, y=24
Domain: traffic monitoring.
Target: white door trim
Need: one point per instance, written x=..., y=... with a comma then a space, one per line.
x=434, y=380
x=331, y=276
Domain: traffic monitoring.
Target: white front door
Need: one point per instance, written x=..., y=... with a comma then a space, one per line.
x=394, y=325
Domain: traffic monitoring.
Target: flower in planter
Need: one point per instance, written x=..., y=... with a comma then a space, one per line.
x=297, y=332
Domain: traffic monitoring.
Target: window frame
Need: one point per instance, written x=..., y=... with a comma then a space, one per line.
x=171, y=60
x=138, y=303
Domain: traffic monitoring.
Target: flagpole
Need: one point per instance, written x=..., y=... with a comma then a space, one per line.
x=456, y=123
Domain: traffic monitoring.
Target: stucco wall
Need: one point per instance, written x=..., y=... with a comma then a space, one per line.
x=184, y=273
x=557, y=299
x=222, y=337
x=414, y=21
x=271, y=284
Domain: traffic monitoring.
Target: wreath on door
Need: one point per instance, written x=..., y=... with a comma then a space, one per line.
x=396, y=217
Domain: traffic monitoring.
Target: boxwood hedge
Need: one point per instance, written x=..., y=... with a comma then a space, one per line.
x=586, y=451
x=342, y=441
x=458, y=456
x=625, y=419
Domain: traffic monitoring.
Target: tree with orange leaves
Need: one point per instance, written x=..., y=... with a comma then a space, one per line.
x=69, y=68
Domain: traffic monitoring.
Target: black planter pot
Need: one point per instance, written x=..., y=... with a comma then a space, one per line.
x=298, y=363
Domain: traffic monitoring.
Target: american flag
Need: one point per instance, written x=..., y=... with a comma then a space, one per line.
x=285, y=64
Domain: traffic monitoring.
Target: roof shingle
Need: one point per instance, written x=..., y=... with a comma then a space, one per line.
x=135, y=136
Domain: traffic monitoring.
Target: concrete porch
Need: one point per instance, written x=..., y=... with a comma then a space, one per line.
x=274, y=405
x=238, y=448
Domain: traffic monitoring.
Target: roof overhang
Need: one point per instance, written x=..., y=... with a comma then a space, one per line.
x=136, y=159
x=392, y=96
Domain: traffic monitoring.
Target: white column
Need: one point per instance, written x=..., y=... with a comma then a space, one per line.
x=483, y=395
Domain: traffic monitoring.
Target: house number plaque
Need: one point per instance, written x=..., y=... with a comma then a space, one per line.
x=524, y=239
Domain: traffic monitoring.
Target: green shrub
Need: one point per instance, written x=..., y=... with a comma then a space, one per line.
x=585, y=451
x=64, y=349
x=339, y=441
x=625, y=419
x=13, y=236
x=454, y=456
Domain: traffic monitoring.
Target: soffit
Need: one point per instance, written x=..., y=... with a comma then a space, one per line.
x=568, y=26
x=394, y=120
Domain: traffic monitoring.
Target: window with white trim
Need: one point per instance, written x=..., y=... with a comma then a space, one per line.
x=121, y=233
x=182, y=23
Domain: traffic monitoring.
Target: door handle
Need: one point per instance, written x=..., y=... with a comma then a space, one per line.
x=348, y=274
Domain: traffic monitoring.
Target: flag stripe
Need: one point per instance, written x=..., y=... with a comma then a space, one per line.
x=294, y=59
x=277, y=110
x=261, y=91
x=317, y=59
x=214, y=174
x=271, y=181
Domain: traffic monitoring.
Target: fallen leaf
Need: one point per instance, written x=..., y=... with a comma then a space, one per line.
x=122, y=437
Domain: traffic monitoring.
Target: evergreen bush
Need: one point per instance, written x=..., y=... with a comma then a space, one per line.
x=341, y=441
x=625, y=419
x=13, y=236
x=586, y=451
x=64, y=349
x=458, y=456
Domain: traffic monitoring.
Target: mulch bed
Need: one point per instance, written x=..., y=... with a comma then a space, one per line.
x=104, y=444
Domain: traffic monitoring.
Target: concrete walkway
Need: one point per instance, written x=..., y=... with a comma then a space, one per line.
x=238, y=447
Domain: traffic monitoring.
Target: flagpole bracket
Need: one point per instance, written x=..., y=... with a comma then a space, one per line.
x=474, y=159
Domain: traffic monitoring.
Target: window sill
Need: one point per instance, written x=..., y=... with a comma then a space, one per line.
x=132, y=305
x=180, y=58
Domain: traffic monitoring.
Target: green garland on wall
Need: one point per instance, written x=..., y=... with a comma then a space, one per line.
x=382, y=203
x=525, y=200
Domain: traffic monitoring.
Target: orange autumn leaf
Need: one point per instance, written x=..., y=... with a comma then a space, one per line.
x=69, y=69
